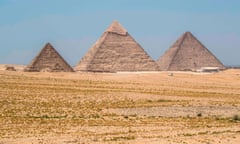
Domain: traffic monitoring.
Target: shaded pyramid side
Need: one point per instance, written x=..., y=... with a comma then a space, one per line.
x=188, y=53
x=116, y=51
x=50, y=60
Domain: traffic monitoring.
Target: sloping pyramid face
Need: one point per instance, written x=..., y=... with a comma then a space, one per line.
x=116, y=51
x=49, y=60
x=187, y=53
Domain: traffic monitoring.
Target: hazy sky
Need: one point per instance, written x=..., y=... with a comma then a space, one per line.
x=73, y=26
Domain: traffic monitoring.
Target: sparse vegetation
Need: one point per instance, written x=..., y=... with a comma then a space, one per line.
x=188, y=134
x=199, y=115
x=121, y=138
x=236, y=117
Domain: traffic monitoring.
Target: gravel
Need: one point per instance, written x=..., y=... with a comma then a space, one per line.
x=179, y=111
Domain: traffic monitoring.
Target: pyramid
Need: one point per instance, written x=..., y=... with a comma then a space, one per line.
x=48, y=60
x=188, y=54
x=116, y=51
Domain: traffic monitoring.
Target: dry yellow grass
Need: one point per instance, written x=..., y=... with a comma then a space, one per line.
x=80, y=107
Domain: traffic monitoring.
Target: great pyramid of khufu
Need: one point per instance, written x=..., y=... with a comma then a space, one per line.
x=48, y=60
x=188, y=54
x=116, y=51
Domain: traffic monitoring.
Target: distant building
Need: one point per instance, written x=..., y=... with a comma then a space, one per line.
x=48, y=60
x=116, y=51
x=188, y=54
x=10, y=68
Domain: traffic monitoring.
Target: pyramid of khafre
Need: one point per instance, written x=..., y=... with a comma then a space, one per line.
x=188, y=53
x=116, y=51
x=48, y=60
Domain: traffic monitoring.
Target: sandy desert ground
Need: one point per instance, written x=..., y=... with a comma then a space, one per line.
x=80, y=108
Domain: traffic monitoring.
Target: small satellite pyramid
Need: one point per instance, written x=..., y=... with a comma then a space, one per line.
x=188, y=53
x=116, y=51
x=48, y=60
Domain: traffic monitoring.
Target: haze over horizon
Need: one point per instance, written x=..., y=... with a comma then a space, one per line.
x=73, y=26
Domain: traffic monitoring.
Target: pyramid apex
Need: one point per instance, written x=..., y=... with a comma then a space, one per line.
x=116, y=27
x=188, y=33
x=48, y=44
